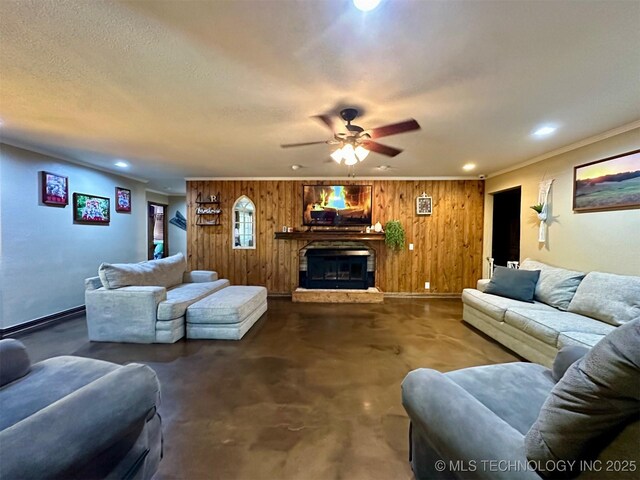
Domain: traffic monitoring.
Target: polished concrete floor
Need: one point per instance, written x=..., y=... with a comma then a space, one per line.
x=311, y=392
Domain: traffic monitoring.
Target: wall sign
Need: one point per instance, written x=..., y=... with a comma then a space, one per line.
x=423, y=205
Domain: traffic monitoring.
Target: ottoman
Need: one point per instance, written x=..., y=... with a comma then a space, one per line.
x=226, y=314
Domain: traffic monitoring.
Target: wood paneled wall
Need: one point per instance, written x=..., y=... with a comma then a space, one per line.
x=447, y=244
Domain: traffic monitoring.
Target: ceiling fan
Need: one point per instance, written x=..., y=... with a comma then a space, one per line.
x=354, y=142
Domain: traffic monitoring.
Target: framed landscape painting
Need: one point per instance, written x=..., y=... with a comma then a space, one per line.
x=90, y=208
x=55, y=189
x=123, y=200
x=612, y=183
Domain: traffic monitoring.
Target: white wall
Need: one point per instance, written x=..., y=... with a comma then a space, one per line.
x=177, y=236
x=44, y=256
x=601, y=241
x=157, y=198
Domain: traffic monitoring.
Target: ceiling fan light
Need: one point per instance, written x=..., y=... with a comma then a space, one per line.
x=337, y=156
x=349, y=155
x=361, y=152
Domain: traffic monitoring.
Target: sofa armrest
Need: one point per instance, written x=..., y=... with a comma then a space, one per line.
x=459, y=427
x=482, y=284
x=199, y=276
x=14, y=361
x=126, y=314
x=64, y=436
x=92, y=283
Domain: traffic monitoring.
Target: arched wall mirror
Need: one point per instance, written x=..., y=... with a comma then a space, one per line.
x=244, y=223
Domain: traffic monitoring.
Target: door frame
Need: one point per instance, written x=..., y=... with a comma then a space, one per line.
x=493, y=223
x=150, y=225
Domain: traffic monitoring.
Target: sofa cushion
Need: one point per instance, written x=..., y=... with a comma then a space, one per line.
x=49, y=381
x=495, y=306
x=229, y=305
x=181, y=296
x=556, y=286
x=14, y=361
x=547, y=325
x=614, y=299
x=596, y=398
x=165, y=272
x=514, y=391
x=513, y=283
x=580, y=339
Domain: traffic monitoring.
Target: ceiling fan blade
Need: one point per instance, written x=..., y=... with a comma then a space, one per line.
x=334, y=125
x=394, y=128
x=379, y=148
x=326, y=119
x=289, y=145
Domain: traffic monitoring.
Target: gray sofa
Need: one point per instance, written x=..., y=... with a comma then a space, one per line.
x=145, y=302
x=72, y=417
x=488, y=422
x=570, y=308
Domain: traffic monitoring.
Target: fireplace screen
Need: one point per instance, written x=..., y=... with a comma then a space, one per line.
x=337, y=268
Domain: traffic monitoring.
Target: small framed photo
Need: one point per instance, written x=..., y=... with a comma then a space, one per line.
x=55, y=189
x=91, y=209
x=423, y=205
x=123, y=200
x=612, y=183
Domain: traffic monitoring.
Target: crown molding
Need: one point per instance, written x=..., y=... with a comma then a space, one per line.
x=568, y=148
x=41, y=151
x=230, y=179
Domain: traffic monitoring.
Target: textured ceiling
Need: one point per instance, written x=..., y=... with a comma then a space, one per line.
x=201, y=89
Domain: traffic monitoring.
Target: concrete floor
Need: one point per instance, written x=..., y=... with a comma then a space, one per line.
x=311, y=392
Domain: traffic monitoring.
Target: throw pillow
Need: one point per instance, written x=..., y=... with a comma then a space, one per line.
x=513, y=283
x=566, y=357
x=556, y=286
x=595, y=399
x=166, y=272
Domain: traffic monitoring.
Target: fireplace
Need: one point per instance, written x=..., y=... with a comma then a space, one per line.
x=337, y=268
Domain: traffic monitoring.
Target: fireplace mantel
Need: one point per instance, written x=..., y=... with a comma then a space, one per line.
x=324, y=235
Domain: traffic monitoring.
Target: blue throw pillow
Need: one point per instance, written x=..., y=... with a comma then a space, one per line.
x=513, y=283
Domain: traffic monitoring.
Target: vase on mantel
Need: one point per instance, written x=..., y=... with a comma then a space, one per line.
x=377, y=227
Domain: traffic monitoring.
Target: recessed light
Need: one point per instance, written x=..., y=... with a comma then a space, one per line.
x=366, y=5
x=467, y=167
x=121, y=164
x=544, y=131
x=383, y=167
x=296, y=167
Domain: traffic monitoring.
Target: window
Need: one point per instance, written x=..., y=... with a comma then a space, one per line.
x=244, y=223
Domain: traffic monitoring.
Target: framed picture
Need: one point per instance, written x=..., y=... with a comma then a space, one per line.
x=55, y=189
x=123, y=200
x=612, y=183
x=423, y=205
x=90, y=208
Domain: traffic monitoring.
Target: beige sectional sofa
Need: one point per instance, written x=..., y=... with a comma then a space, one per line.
x=145, y=302
x=570, y=308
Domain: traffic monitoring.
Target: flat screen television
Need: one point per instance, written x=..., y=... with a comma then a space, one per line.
x=336, y=205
